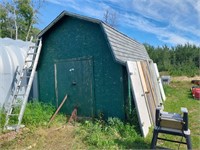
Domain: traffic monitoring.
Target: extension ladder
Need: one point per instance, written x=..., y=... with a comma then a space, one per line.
x=18, y=97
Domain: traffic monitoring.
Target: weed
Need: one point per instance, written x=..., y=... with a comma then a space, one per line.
x=110, y=134
x=37, y=114
x=2, y=120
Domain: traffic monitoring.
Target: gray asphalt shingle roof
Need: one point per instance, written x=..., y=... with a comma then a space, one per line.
x=123, y=47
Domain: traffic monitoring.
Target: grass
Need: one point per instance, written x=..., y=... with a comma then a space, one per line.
x=37, y=114
x=2, y=120
x=179, y=95
x=100, y=134
x=110, y=134
x=114, y=134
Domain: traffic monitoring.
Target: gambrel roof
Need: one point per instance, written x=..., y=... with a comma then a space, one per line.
x=123, y=47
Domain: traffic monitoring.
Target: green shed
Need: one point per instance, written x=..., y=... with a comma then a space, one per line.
x=86, y=59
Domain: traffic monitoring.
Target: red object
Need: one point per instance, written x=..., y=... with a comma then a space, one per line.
x=196, y=93
x=197, y=82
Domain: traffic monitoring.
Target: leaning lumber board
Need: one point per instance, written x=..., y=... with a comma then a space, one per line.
x=145, y=90
x=139, y=99
x=63, y=101
x=154, y=82
x=150, y=96
x=159, y=82
x=142, y=77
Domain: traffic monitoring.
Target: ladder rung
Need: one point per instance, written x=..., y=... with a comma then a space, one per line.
x=29, y=61
x=31, y=53
x=33, y=46
x=18, y=94
x=14, y=127
x=16, y=105
x=25, y=77
x=28, y=68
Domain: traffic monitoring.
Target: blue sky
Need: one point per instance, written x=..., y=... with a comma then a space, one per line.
x=156, y=22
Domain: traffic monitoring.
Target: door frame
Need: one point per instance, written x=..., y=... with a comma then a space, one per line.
x=93, y=81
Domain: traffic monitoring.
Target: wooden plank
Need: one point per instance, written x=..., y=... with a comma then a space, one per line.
x=160, y=83
x=142, y=77
x=154, y=82
x=63, y=101
x=145, y=90
x=139, y=99
x=151, y=89
x=150, y=96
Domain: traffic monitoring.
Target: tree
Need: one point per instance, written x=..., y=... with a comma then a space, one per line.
x=178, y=60
x=19, y=16
x=3, y=19
x=111, y=18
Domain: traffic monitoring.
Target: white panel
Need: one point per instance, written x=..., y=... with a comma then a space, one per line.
x=12, y=54
x=159, y=82
x=139, y=98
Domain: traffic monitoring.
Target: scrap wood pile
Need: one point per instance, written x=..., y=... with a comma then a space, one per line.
x=147, y=90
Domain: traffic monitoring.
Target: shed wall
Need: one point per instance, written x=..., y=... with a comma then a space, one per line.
x=73, y=38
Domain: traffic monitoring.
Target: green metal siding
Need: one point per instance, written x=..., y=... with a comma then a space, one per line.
x=73, y=38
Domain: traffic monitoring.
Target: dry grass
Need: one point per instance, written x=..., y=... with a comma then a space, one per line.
x=58, y=138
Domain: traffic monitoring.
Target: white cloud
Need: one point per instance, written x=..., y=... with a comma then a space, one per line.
x=172, y=22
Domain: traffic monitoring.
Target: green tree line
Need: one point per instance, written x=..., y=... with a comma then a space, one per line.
x=18, y=17
x=177, y=60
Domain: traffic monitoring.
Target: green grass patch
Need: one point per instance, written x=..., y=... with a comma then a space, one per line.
x=38, y=114
x=2, y=120
x=110, y=134
x=179, y=95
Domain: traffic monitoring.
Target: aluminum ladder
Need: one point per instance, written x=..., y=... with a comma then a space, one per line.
x=18, y=98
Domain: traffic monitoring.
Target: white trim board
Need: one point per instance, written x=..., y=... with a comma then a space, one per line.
x=159, y=83
x=139, y=98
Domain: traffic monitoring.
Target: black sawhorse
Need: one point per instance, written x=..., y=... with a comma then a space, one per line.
x=171, y=123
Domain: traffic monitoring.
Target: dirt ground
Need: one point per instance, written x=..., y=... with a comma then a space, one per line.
x=58, y=138
x=185, y=78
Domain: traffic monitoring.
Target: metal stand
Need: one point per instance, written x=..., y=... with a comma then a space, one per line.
x=173, y=124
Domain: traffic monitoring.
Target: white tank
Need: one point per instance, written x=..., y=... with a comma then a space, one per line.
x=12, y=54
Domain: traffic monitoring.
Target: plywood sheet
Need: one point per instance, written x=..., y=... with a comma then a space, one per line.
x=139, y=98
